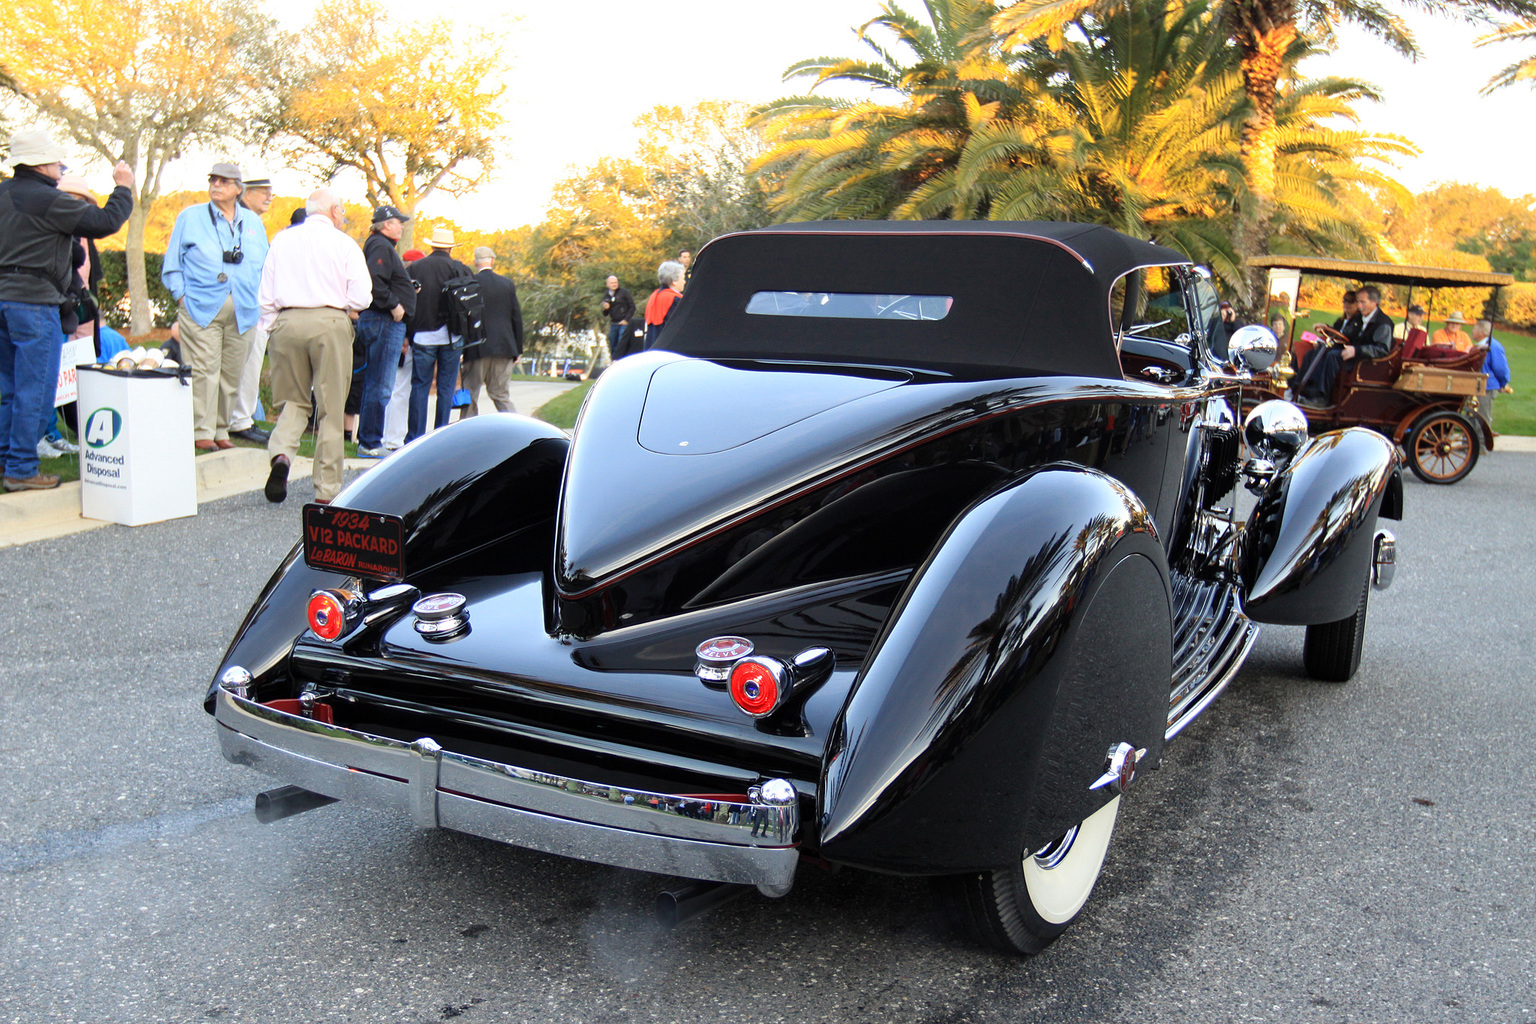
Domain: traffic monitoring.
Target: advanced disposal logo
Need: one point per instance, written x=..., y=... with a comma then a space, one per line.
x=103, y=426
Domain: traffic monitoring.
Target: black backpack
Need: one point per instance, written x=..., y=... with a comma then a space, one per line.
x=466, y=308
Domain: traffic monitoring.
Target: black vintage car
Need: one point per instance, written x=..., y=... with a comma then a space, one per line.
x=908, y=550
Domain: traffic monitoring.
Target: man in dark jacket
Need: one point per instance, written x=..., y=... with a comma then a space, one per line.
x=38, y=226
x=490, y=363
x=1372, y=339
x=381, y=326
x=620, y=306
x=434, y=351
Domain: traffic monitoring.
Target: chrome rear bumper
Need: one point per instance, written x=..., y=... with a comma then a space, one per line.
x=749, y=842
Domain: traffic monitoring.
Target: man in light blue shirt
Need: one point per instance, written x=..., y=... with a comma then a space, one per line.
x=212, y=269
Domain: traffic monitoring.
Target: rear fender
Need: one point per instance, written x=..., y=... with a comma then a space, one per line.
x=1036, y=636
x=458, y=490
x=1307, y=548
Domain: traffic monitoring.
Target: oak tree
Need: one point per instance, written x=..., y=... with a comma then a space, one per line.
x=142, y=82
x=413, y=109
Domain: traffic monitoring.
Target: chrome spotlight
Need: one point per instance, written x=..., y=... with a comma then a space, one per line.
x=1253, y=348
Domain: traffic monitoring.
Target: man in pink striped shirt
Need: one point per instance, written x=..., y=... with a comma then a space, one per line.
x=312, y=285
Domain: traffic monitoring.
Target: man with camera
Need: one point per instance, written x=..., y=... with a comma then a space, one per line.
x=212, y=269
x=38, y=225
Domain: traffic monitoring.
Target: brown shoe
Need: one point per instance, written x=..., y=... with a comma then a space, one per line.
x=205, y=446
x=277, y=481
x=39, y=482
x=223, y=444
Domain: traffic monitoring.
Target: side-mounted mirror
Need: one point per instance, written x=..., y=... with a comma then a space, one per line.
x=1253, y=348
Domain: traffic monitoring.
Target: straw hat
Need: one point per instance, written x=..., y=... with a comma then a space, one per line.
x=442, y=238
x=1455, y=318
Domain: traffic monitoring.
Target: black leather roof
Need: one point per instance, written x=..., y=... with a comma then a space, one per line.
x=1029, y=297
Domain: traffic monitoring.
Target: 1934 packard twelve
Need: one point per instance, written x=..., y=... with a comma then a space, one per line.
x=907, y=550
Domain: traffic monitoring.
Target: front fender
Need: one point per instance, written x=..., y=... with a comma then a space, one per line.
x=458, y=490
x=1308, y=543
x=1035, y=636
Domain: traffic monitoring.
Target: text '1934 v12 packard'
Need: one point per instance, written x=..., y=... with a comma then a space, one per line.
x=907, y=549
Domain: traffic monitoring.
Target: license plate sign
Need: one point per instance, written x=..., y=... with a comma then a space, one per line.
x=346, y=540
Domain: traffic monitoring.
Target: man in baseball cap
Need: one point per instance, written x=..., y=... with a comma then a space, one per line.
x=256, y=196
x=382, y=325
x=38, y=225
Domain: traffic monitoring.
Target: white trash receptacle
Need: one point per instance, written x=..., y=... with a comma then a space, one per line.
x=135, y=446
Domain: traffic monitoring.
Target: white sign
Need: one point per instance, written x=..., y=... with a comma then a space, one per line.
x=79, y=352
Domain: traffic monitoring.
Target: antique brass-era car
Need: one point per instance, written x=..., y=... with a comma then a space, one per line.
x=907, y=550
x=1431, y=405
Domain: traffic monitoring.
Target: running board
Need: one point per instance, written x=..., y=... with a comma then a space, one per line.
x=1212, y=638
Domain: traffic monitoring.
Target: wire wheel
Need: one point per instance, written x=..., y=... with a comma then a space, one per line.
x=1442, y=448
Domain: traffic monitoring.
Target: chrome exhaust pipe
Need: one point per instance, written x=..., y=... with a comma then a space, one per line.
x=675, y=906
x=276, y=804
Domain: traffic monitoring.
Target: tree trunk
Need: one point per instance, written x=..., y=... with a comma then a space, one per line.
x=140, y=320
x=1263, y=62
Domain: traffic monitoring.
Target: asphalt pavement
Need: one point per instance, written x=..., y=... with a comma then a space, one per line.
x=1309, y=852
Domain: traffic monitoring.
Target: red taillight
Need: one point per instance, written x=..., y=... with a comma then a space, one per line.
x=327, y=615
x=757, y=686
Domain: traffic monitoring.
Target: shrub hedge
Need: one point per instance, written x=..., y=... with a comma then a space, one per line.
x=114, y=290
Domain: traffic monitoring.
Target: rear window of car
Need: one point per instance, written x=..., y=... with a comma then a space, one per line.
x=850, y=305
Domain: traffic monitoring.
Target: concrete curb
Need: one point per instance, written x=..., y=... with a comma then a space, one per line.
x=27, y=516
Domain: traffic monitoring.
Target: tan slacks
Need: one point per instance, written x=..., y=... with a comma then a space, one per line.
x=496, y=375
x=216, y=355
x=311, y=351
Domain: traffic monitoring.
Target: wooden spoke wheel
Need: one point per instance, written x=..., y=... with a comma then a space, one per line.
x=1442, y=447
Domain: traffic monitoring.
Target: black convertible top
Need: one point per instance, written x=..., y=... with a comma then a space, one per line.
x=1027, y=296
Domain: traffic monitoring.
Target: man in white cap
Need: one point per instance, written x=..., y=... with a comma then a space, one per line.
x=434, y=351
x=256, y=197
x=1452, y=335
x=212, y=268
x=38, y=225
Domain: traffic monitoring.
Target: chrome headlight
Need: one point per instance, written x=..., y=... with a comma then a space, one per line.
x=1275, y=430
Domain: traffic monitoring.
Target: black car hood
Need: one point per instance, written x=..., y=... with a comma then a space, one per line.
x=669, y=448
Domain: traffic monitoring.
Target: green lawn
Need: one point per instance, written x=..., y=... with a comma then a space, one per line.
x=562, y=409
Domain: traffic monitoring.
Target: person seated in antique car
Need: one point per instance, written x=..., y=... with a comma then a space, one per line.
x=1416, y=337
x=1372, y=339
x=1348, y=323
x=1451, y=335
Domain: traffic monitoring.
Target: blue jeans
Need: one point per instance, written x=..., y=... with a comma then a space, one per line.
x=30, y=342
x=383, y=336
x=444, y=359
x=615, y=335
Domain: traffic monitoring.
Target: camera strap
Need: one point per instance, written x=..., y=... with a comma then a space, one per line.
x=234, y=229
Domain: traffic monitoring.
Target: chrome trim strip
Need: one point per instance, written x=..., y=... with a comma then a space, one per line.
x=1190, y=713
x=753, y=843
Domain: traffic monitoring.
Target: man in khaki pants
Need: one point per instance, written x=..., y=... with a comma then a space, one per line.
x=314, y=282
x=212, y=265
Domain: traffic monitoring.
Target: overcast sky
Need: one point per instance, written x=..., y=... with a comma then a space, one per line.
x=582, y=72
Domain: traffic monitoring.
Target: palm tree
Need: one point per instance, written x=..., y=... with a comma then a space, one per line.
x=1134, y=123
x=1520, y=70
x=1264, y=33
x=861, y=159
